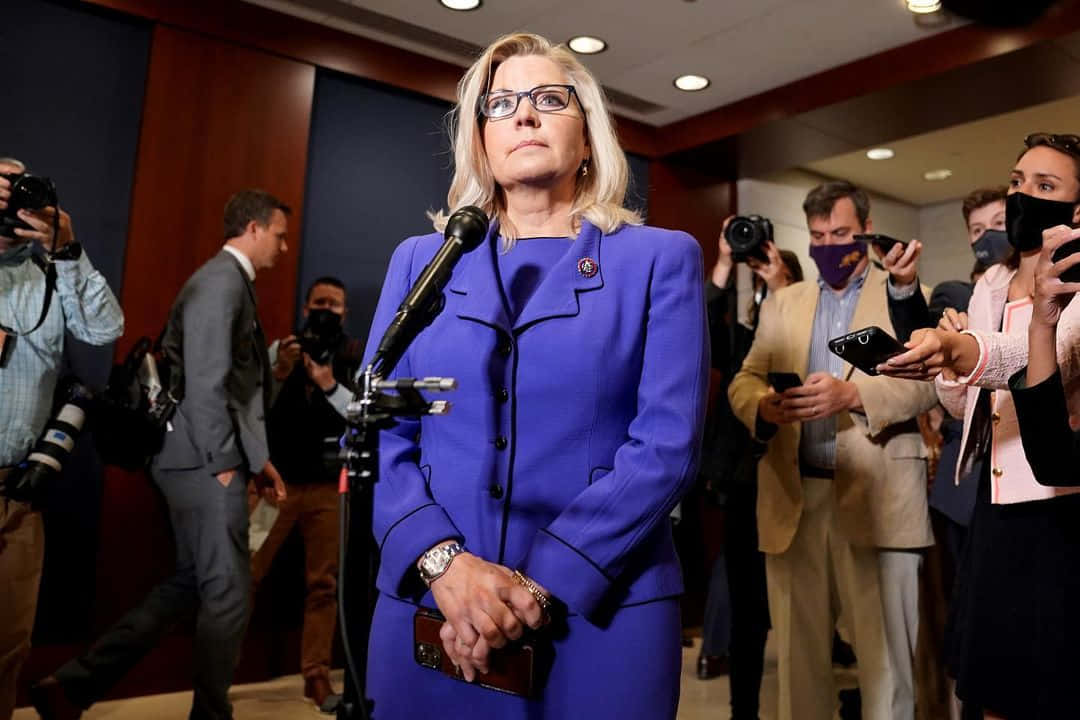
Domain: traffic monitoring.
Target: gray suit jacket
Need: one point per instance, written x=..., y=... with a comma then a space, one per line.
x=214, y=327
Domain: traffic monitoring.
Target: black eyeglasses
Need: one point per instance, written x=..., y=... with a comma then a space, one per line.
x=545, y=98
x=1065, y=143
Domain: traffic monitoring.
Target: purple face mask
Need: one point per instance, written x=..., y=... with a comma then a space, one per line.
x=837, y=262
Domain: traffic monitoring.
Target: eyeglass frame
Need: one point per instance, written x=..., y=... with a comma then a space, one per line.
x=517, y=95
x=1066, y=143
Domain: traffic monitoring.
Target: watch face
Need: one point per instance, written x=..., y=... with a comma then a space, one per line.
x=435, y=562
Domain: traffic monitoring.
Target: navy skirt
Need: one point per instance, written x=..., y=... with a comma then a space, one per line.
x=1014, y=633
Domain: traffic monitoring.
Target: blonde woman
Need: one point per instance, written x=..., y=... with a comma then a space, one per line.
x=578, y=339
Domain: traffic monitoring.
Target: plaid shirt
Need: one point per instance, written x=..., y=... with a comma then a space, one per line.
x=83, y=305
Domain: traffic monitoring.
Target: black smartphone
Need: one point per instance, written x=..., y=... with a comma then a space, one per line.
x=867, y=348
x=1073, y=273
x=884, y=242
x=781, y=381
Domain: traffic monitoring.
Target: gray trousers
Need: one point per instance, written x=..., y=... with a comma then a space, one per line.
x=213, y=573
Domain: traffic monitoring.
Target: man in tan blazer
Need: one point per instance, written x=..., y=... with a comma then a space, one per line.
x=842, y=488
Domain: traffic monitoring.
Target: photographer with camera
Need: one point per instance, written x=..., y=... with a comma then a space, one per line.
x=47, y=287
x=313, y=376
x=729, y=464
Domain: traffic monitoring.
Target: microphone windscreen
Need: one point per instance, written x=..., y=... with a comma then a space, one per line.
x=469, y=225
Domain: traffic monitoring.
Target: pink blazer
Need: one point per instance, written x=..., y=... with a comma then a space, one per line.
x=1001, y=355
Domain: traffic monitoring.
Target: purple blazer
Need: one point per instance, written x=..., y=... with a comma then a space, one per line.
x=574, y=430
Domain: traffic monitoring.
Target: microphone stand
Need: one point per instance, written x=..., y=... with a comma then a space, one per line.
x=371, y=411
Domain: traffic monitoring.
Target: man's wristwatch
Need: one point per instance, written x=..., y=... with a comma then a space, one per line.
x=436, y=561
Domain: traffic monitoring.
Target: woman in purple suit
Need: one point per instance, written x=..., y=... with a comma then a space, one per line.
x=577, y=336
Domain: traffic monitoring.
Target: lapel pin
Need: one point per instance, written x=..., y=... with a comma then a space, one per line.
x=587, y=267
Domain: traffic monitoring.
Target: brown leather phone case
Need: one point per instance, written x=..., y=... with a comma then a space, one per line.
x=516, y=669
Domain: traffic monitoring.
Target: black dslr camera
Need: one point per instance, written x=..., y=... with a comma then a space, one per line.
x=321, y=335
x=747, y=236
x=28, y=192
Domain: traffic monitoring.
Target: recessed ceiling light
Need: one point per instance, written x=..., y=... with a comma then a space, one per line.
x=587, y=44
x=923, y=7
x=461, y=4
x=880, y=153
x=934, y=175
x=691, y=83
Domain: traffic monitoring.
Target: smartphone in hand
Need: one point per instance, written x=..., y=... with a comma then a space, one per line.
x=781, y=381
x=884, y=242
x=866, y=348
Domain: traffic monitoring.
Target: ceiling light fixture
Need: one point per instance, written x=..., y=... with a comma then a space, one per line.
x=461, y=4
x=691, y=83
x=587, y=45
x=936, y=175
x=880, y=153
x=923, y=7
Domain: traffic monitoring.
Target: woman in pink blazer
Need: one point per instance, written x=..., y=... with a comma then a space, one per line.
x=1012, y=642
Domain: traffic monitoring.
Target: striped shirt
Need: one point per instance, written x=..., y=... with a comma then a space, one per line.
x=83, y=305
x=832, y=319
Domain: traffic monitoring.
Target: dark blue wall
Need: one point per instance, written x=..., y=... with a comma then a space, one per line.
x=379, y=159
x=72, y=99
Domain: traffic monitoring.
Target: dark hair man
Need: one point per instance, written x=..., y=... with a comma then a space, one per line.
x=216, y=440
x=313, y=376
x=842, y=485
x=30, y=359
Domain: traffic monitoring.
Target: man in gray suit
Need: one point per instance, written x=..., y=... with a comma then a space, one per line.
x=216, y=440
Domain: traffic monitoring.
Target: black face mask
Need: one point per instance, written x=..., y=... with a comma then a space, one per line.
x=992, y=247
x=1026, y=217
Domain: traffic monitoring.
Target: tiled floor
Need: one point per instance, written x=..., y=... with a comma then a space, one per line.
x=282, y=699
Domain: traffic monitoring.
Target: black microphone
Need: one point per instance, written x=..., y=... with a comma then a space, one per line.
x=465, y=230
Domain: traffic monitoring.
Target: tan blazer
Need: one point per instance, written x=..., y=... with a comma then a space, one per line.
x=880, y=483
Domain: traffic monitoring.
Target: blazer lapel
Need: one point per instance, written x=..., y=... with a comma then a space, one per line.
x=477, y=281
x=801, y=327
x=557, y=295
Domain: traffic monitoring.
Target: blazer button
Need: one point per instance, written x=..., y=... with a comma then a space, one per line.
x=503, y=395
x=995, y=417
x=998, y=472
x=500, y=443
x=496, y=491
x=504, y=348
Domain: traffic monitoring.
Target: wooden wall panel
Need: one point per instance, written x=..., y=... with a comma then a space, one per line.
x=218, y=118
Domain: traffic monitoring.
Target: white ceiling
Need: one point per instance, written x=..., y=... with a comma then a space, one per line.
x=744, y=46
x=978, y=153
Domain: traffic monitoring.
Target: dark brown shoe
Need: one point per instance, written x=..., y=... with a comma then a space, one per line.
x=710, y=666
x=51, y=702
x=318, y=689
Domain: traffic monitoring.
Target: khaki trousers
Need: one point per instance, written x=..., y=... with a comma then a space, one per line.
x=806, y=583
x=22, y=552
x=314, y=510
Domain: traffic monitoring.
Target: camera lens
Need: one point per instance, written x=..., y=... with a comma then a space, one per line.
x=32, y=193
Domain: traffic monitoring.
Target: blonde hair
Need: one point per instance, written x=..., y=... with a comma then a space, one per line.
x=599, y=194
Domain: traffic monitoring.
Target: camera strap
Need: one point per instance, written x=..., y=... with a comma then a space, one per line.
x=49, y=269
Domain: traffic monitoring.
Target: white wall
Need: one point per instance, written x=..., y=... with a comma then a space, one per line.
x=946, y=255
x=946, y=252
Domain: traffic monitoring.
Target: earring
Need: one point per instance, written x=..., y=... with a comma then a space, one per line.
x=584, y=167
